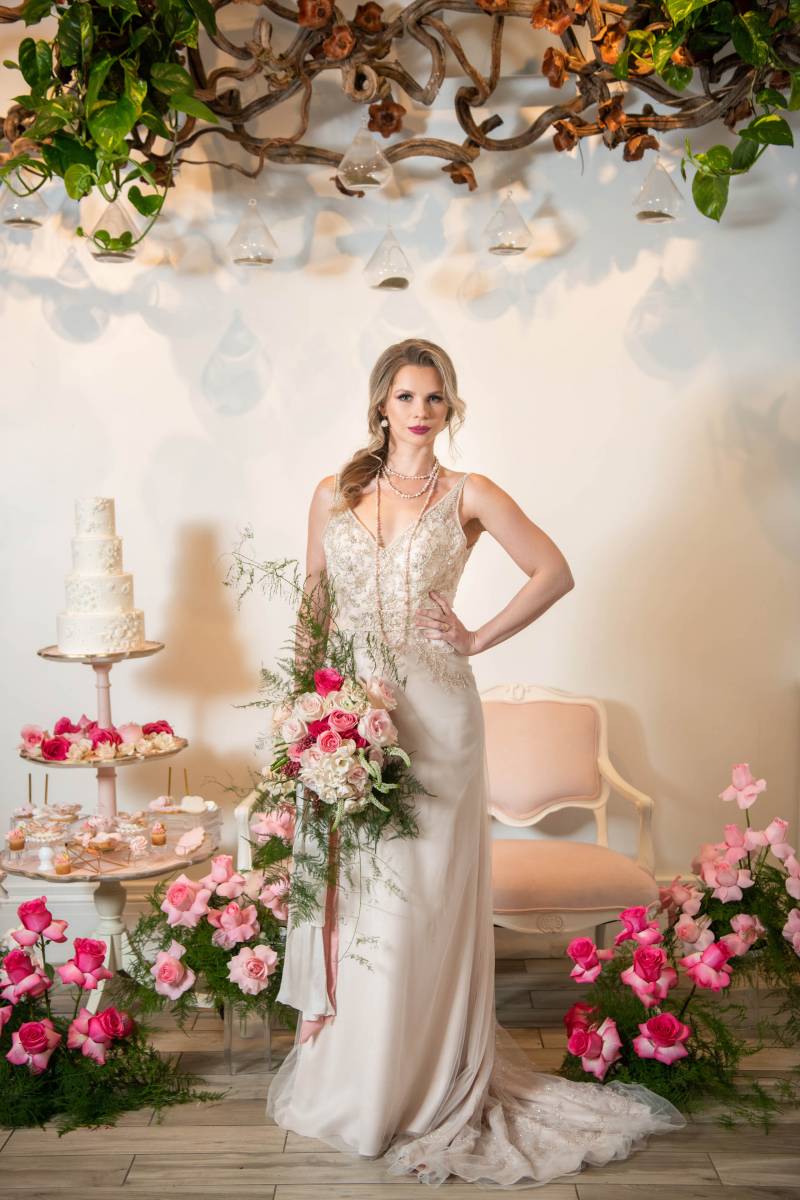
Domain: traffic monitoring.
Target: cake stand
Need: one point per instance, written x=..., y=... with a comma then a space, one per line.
x=101, y=664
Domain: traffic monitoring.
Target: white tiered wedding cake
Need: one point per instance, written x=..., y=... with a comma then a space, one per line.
x=100, y=617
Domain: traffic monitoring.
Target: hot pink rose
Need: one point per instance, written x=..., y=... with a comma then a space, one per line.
x=222, y=878
x=596, y=1048
x=342, y=721
x=233, y=924
x=726, y=880
x=579, y=1016
x=55, y=749
x=86, y=969
x=649, y=975
x=637, y=926
x=185, y=902
x=586, y=957
x=22, y=978
x=277, y=823
x=64, y=725
x=32, y=736
x=315, y=728
x=377, y=727
x=100, y=736
x=172, y=976
x=115, y=1024
x=32, y=1045
x=274, y=897
x=329, y=741
x=743, y=788
x=130, y=733
x=152, y=727
x=710, y=968
x=251, y=968
x=6, y=1013
x=37, y=918
x=86, y=1033
x=326, y=679
x=662, y=1037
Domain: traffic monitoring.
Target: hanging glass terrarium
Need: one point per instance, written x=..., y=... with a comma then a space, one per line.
x=506, y=232
x=389, y=269
x=27, y=211
x=658, y=198
x=252, y=244
x=113, y=236
x=363, y=164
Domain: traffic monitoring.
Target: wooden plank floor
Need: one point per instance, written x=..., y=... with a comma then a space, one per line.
x=230, y=1149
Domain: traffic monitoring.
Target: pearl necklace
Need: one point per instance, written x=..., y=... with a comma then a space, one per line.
x=409, y=495
x=407, y=572
x=400, y=474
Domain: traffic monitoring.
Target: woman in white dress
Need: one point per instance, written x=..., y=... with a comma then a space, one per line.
x=403, y=1059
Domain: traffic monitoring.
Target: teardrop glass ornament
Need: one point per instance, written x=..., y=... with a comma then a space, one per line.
x=252, y=244
x=117, y=224
x=23, y=212
x=507, y=232
x=658, y=199
x=388, y=268
x=363, y=164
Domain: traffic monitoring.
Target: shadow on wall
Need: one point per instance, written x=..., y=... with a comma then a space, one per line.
x=205, y=662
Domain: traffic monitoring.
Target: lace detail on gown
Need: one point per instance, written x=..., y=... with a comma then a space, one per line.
x=413, y=1069
x=439, y=553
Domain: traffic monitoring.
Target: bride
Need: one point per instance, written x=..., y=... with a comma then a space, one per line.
x=400, y=1057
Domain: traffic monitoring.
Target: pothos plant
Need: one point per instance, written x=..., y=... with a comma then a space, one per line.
x=109, y=83
x=684, y=38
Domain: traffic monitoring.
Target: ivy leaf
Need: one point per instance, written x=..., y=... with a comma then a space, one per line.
x=205, y=15
x=771, y=96
x=170, y=77
x=27, y=61
x=86, y=31
x=676, y=77
x=153, y=121
x=679, y=10
x=745, y=153
x=111, y=123
x=770, y=129
x=135, y=88
x=97, y=76
x=710, y=194
x=750, y=36
x=148, y=206
x=664, y=47
x=44, y=61
x=718, y=158
x=36, y=10
x=185, y=103
x=794, y=95
x=138, y=37
x=78, y=180
x=69, y=37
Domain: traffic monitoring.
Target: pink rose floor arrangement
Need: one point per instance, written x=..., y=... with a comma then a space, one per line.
x=657, y=1011
x=82, y=1067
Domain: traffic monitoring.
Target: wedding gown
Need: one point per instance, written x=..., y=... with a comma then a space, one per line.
x=411, y=1067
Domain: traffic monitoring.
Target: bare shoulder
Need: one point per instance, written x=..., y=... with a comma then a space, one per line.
x=482, y=493
x=322, y=498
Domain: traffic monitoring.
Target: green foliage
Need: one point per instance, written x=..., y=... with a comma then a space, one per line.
x=97, y=98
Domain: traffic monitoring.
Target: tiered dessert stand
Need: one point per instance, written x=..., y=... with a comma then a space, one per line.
x=109, y=895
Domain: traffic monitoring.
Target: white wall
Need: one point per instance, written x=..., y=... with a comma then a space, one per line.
x=636, y=393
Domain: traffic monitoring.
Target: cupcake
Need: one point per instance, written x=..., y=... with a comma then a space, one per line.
x=16, y=839
x=158, y=833
x=62, y=864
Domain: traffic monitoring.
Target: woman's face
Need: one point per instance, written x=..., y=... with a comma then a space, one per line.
x=415, y=406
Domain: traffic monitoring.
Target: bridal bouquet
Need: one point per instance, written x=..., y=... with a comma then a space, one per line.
x=83, y=1067
x=655, y=1014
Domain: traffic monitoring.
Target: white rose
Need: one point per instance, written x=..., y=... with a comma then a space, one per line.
x=358, y=778
x=105, y=751
x=331, y=701
x=163, y=741
x=376, y=755
x=311, y=756
x=293, y=729
x=379, y=693
x=280, y=713
x=75, y=753
x=126, y=750
x=310, y=706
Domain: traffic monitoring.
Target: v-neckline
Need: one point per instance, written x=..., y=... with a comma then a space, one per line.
x=403, y=532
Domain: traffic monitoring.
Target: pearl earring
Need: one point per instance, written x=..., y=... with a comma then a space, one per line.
x=384, y=421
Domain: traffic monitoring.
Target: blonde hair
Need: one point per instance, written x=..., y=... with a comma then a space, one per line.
x=365, y=463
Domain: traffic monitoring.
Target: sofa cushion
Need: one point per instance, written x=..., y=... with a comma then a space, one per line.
x=533, y=875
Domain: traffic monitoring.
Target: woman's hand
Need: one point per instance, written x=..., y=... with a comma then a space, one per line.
x=440, y=623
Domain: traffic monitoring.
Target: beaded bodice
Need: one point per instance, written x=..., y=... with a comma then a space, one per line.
x=439, y=553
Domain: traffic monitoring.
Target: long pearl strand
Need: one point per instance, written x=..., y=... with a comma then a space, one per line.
x=407, y=572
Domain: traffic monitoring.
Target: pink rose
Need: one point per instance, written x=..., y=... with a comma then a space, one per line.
x=637, y=926
x=251, y=968
x=747, y=929
x=709, y=968
x=86, y=1033
x=277, y=823
x=115, y=1024
x=295, y=750
x=736, y=846
x=185, y=902
x=377, y=727
x=775, y=833
x=35, y=915
x=130, y=733
x=727, y=880
x=329, y=741
x=64, y=725
x=104, y=737
x=326, y=679
x=233, y=924
x=86, y=969
x=153, y=727
x=55, y=749
x=379, y=693
x=309, y=706
x=579, y=1016
x=32, y=736
x=274, y=896
x=743, y=788
x=342, y=721
x=6, y=1013
x=21, y=977
x=791, y=930
x=172, y=976
x=32, y=1045
x=696, y=933
x=293, y=729
x=662, y=1037
x=222, y=878
x=708, y=852
x=596, y=1048
x=586, y=957
x=649, y=975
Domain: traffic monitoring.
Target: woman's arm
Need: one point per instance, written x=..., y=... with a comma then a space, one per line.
x=318, y=514
x=549, y=576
